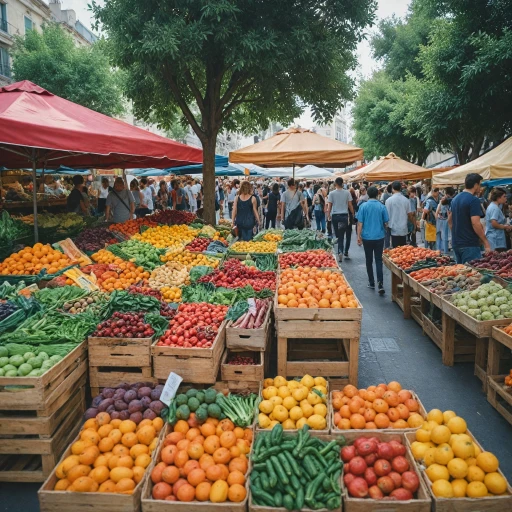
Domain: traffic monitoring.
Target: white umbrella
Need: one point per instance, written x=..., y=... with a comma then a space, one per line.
x=313, y=172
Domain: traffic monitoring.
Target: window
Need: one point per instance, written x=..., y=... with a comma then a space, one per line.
x=28, y=24
x=3, y=17
x=5, y=62
x=328, y=133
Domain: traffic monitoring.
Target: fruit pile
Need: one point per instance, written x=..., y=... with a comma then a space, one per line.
x=199, y=244
x=234, y=274
x=293, y=403
x=406, y=255
x=171, y=293
x=455, y=465
x=132, y=227
x=375, y=469
x=31, y=260
x=256, y=247
x=189, y=259
x=304, y=287
x=173, y=217
x=273, y=237
x=121, y=276
x=135, y=402
x=376, y=407
x=94, y=239
x=124, y=325
x=428, y=274
x=241, y=360
x=508, y=379
x=164, y=237
x=203, y=463
x=26, y=365
x=105, y=257
x=195, y=325
x=143, y=254
x=170, y=274
x=319, y=259
x=145, y=290
x=111, y=455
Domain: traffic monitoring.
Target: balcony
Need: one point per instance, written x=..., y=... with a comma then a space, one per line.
x=7, y=30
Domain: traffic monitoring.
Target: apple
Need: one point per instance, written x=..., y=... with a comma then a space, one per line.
x=398, y=448
x=382, y=467
x=370, y=459
x=384, y=451
x=366, y=448
x=370, y=476
x=375, y=493
x=401, y=494
x=358, y=488
x=357, y=466
x=410, y=481
x=385, y=484
x=397, y=479
x=348, y=453
x=400, y=464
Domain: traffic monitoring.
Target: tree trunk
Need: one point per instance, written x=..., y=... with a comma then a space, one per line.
x=209, y=179
x=477, y=146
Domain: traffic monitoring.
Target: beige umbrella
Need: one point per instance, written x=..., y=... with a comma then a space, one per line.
x=297, y=146
x=392, y=167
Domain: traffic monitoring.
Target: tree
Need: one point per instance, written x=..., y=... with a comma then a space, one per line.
x=379, y=120
x=79, y=74
x=242, y=63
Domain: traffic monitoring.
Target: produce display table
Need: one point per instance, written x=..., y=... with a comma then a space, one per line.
x=399, y=293
x=498, y=395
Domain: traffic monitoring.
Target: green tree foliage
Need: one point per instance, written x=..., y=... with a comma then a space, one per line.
x=79, y=74
x=242, y=63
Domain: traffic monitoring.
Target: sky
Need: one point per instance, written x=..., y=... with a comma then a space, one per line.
x=367, y=64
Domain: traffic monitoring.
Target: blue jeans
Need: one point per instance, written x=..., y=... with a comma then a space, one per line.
x=374, y=248
x=246, y=234
x=442, y=235
x=320, y=220
x=466, y=254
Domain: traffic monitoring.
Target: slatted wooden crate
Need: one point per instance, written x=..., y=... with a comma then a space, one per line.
x=248, y=373
x=194, y=365
x=249, y=339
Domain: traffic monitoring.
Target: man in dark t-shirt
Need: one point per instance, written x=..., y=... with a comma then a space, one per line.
x=464, y=219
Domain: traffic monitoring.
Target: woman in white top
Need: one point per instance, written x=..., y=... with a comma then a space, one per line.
x=103, y=194
x=146, y=206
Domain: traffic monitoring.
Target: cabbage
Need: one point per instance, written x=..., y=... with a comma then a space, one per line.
x=502, y=293
x=481, y=302
x=500, y=300
x=473, y=312
x=490, y=300
x=487, y=315
x=472, y=303
x=507, y=314
x=474, y=294
x=479, y=317
x=504, y=307
x=484, y=308
x=499, y=317
x=494, y=309
x=482, y=293
x=463, y=308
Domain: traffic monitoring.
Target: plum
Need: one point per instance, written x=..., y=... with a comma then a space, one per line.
x=144, y=391
x=92, y=412
x=108, y=392
x=145, y=401
x=137, y=385
x=130, y=395
x=102, y=407
x=115, y=415
x=135, y=406
x=120, y=405
x=124, y=385
x=124, y=415
x=136, y=417
x=155, y=394
x=97, y=400
x=119, y=393
x=156, y=406
x=110, y=409
x=149, y=414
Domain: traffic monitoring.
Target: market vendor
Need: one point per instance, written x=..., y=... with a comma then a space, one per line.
x=119, y=205
x=76, y=203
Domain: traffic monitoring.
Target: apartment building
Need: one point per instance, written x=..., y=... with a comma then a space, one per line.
x=337, y=129
x=18, y=16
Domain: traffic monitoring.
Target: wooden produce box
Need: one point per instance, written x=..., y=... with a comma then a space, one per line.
x=116, y=360
x=487, y=504
x=31, y=457
x=334, y=429
x=422, y=502
x=41, y=392
x=237, y=387
x=249, y=339
x=194, y=365
x=249, y=373
x=151, y=505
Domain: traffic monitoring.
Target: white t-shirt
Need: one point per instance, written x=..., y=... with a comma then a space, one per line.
x=398, y=207
x=192, y=202
x=147, y=195
x=103, y=193
x=196, y=189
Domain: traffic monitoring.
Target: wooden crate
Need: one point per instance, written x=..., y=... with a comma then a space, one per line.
x=110, y=377
x=120, y=351
x=27, y=458
x=488, y=504
x=237, y=386
x=151, y=505
x=41, y=392
x=194, y=365
x=250, y=339
x=249, y=373
x=422, y=502
x=500, y=396
x=334, y=429
x=417, y=315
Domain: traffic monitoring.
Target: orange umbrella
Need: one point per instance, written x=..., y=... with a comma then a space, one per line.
x=391, y=167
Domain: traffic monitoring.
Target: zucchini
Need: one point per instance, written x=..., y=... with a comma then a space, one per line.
x=288, y=502
x=264, y=481
x=281, y=475
x=262, y=496
x=272, y=477
x=284, y=462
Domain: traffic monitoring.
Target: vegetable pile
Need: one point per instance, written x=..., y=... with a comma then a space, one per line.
x=173, y=217
x=170, y=274
x=407, y=255
x=143, y=254
x=189, y=259
x=319, y=259
x=165, y=237
x=199, y=244
x=450, y=285
x=29, y=364
x=296, y=240
x=7, y=309
x=253, y=318
x=254, y=247
x=430, y=274
x=124, y=325
x=94, y=239
x=133, y=226
x=296, y=471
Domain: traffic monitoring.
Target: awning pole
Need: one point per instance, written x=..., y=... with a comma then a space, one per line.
x=294, y=172
x=34, y=194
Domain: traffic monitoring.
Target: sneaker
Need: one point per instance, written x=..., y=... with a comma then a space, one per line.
x=347, y=257
x=340, y=257
x=371, y=285
x=381, y=289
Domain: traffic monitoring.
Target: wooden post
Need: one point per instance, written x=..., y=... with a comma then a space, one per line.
x=394, y=287
x=481, y=350
x=448, y=345
x=493, y=366
x=407, y=300
x=282, y=356
x=353, y=361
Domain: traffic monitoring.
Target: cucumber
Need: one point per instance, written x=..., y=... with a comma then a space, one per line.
x=288, y=502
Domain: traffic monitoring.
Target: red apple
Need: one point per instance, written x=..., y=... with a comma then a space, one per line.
x=384, y=451
x=401, y=494
x=366, y=448
x=410, y=481
x=358, y=488
x=358, y=466
x=348, y=453
x=382, y=467
x=397, y=479
x=370, y=459
x=400, y=464
x=375, y=493
x=370, y=476
x=347, y=478
x=398, y=448
x=359, y=440
x=385, y=484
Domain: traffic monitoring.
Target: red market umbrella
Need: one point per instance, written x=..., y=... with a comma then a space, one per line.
x=39, y=129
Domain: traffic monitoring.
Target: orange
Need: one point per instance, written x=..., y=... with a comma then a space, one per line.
x=203, y=491
x=120, y=450
x=238, y=464
x=100, y=474
x=124, y=461
x=186, y=493
x=138, y=473
x=138, y=449
x=228, y=439
x=62, y=485
x=118, y=474
x=380, y=405
x=495, y=483
x=219, y=492
x=91, y=423
x=214, y=472
x=129, y=439
x=237, y=493
x=181, y=458
x=192, y=434
x=196, y=476
x=211, y=444
x=357, y=421
x=381, y=420
x=79, y=446
x=89, y=455
x=105, y=430
x=125, y=484
x=77, y=472
x=127, y=426
x=84, y=484
x=146, y=434
x=90, y=435
x=143, y=460
x=195, y=451
x=207, y=429
x=103, y=418
x=102, y=460
x=236, y=477
x=183, y=444
x=106, y=444
x=487, y=461
x=116, y=435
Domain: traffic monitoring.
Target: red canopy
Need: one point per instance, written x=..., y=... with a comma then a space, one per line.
x=37, y=125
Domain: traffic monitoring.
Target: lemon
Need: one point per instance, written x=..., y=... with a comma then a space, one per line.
x=320, y=409
x=415, y=420
x=442, y=488
x=293, y=384
x=477, y=450
x=459, y=487
x=280, y=381
x=322, y=389
x=320, y=381
x=307, y=381
x=288, y=424
x=440, y=434
x=457, y=468
x=269, y=392
x=457, y=425
x=276, y=400
x=475, y=474
x=299, y=394
x=437, y=472
x=487, y=461
x=429, y=425
x=266, y=406
x=419, y=449
x=280, y=413
x=289, y=402
x=284, y=391
x=447, y=416
x=317, y=422
x=443, y=454
x=300, y=423
x=422, y=435
x=476, y=490
x=307, y=409
x=268, y=382
x=435, y=415
x=471, y=461
x=273, y=423
x=495, y=483
x=296, y=413
x=428, y=458
x=463, y=449
x=314, y=399
x=263, y=420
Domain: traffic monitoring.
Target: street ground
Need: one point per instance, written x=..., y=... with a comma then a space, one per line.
x=415, y=363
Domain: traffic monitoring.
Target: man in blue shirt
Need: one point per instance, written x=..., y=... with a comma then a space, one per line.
x=467, y=230
x=372, y=218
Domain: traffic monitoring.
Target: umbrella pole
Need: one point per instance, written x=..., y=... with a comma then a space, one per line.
x=34, y=195
x=294, y=171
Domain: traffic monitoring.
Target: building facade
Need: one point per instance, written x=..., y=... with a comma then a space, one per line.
x=19, y=16
x=337, y=129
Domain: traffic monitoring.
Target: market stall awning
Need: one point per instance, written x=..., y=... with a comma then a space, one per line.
x=493, y=165
x=355, y=175
x=313, y=172
x=297, y=146
x=392, y=167
x=220, y=161
x=36, y=124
